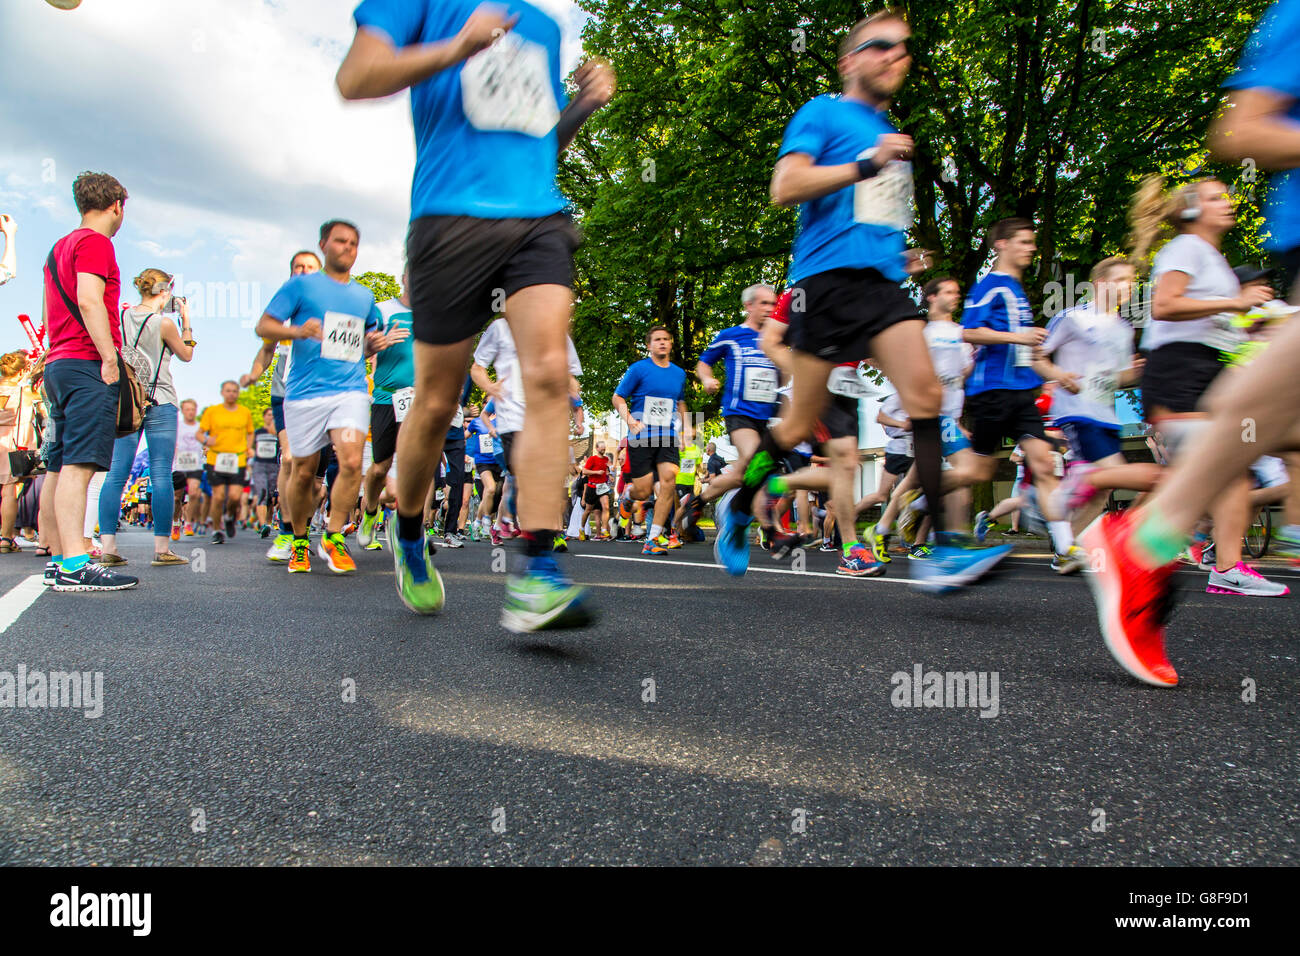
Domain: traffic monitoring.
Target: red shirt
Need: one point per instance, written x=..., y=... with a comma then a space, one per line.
x=600, y=465
x=81, y=251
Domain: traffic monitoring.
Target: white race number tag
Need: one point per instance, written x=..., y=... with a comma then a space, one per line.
x=459, y=419
x=485, y=444
x=886, y=198
x=688, y=466
x=657, y=412
x=602, y=488
x=187, y=461
x=227, y=463
x=267, y=447
x=507, y=88
x=343, y=337
x=760, y=384
x=402, y=399
x=845, y=381
x=1098, y=385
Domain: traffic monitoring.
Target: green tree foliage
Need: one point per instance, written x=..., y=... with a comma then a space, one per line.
x=381, y=284
x=1048, y=110
x=257, y=397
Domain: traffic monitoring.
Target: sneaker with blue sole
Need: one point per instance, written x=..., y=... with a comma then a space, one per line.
x=542, y=598
x=955, y=563
x=418, y=583
x=731, y=546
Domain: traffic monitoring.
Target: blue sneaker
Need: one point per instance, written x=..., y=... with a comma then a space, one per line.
x=731, y=546
x=859, y=562
x=982, y=524
x=954, y=563
x=543, y=598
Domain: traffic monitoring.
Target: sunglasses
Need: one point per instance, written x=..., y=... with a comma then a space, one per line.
x=879, y=43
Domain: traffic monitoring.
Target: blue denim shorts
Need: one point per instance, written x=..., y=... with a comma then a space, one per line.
x=83, y=415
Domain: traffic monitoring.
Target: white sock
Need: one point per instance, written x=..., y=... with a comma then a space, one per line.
x=656, y=530
x=882, y=529
x=1062, y=535
x=918, y=505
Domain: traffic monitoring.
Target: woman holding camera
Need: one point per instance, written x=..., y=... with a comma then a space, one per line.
x=16, y=416
x=149, y=339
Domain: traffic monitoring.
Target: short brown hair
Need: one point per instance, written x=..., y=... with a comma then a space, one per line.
x=932, y=287
x=1104, y=268
x=880, y=16
x=303, y=252
x=96, y=192
x=328, y=228
x=657, y=328
x=1006, y=228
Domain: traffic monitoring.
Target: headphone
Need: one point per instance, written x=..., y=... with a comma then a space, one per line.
x=1191, y=204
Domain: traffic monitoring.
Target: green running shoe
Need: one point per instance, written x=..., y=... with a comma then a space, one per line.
x=543, y=598
x=418, y=583
x=366, y=533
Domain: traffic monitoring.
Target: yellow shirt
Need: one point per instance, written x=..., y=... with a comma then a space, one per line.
x=230, y=430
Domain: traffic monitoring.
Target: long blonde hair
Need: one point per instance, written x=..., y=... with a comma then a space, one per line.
x=1156, y=215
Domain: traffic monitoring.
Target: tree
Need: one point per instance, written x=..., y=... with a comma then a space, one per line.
x=381, y=284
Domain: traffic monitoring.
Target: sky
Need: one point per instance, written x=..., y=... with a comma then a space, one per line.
x=221, y=119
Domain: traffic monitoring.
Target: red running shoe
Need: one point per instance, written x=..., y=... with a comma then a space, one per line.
x=1132, y=602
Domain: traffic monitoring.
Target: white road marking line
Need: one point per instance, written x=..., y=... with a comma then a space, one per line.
x=702, y=564
x=19, y=598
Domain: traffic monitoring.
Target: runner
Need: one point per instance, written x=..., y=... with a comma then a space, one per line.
x=226, y=431
x=651, y=400
x=334, y=324
x=488, y=231
x=595, y=497
x=846, y=166
x=265, y=472
x=302, y=263
x=483, y=445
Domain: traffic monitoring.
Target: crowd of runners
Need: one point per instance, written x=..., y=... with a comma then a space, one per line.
x=372, y=442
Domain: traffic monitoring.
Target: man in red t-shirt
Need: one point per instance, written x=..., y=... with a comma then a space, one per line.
x=596, y=495
x=81, y=379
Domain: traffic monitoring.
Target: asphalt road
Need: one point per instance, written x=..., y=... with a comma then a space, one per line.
x=772, y=736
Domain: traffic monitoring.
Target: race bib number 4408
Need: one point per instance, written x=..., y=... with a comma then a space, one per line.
x=343, y=337
x=507, y=88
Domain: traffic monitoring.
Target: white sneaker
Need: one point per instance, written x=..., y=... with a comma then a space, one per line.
x=1244, y=580
x=281, y=549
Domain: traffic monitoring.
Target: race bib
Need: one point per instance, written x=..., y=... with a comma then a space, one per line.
x=657, y=412
x=507, y=88
x=267, y=446
x=187, y=461
x=760, y=384
x=1225, y=336
x=343, y=337
x=227, y=463
x=402, y=399
x=1024, y=355
x=459, y=418
x=602, y=488
x=845, y=381
x=1098, y=385
x=952, y=382
x=886, y=198
x=485, y=444
x=688, y=466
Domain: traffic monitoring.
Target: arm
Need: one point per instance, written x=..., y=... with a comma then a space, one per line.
x=796, y=179
x=772, y=341
x=480, y=376
x=705, y=375
x=1049, y=371
x=90, y=299
x=269, y=327
x=904, y=423
x=1032, y=336
x=1171, y=305
x=683, y=416
x=374, y=68
x=620, y=406
x=595, y=80
x=174, y=339
x=260, y=363
x=1253, y=125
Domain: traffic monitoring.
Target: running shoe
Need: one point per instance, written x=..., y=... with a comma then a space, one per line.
x=1076, y=559
x=560, y=546
x=955, y=562
x=880, y=545
x=1246, y=581
x=766, y=536
x=859, y=562
x=189, y=529
x=1075, y=490
x=93, y=577
x=1286, y=543
x=300, y=559
x=176, y=532
x=657, y=545
x=674, y=542
x=230, y=527
x=366, y=533
x=281, y=549
x=348, y=528
x=982, y=526
x=827, y=545
x=334, y=549
x=474, y=533
x=1133, y=602
x=509, y=529
x=921, y=552
x=1205, y=558
x=51, y=574
x=784, y=545
x=908, y=519
x=731, y=545
x=494, y=535
x=265, y=532
x=452, y=541
x=543, y=598
x=418, y=583
x=218, y=538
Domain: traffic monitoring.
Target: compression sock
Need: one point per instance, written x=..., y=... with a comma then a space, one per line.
x=766, y=462
x=929, y=466
x=410, y=527
x=1156, y=540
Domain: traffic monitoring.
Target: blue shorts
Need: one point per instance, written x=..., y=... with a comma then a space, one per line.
x=1090, y=441
x=952, y=437
x=277, y=412
x=83, y=415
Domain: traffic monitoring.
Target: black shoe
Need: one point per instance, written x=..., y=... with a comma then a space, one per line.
x=218, y=538
x=230, y=527
x=51, y=573
x=266, y=531
x=93, y=577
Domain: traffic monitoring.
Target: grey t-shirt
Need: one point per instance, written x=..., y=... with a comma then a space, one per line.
x=148, y=351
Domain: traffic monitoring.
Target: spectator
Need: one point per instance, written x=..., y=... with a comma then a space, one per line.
x=152, y=338
x=9, y=261
x=16, y=405
x=82, y=379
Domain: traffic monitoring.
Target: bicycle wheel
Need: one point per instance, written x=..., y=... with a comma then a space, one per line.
x=1259, y=533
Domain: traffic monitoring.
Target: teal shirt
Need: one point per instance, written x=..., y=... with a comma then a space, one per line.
x=394, y=366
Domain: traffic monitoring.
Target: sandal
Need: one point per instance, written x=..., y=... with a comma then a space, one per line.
x=8, y=545
x=43, y=552
x=166, y=558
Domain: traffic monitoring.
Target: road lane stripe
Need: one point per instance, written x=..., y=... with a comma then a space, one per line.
x=703, y=564
x=19, y=598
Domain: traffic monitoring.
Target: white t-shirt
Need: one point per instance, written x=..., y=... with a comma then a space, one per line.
x=1096, y=346
x=496, y=349
x=951, y=357
x=1209, y=277
x=187, y=441
x=898, y=440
